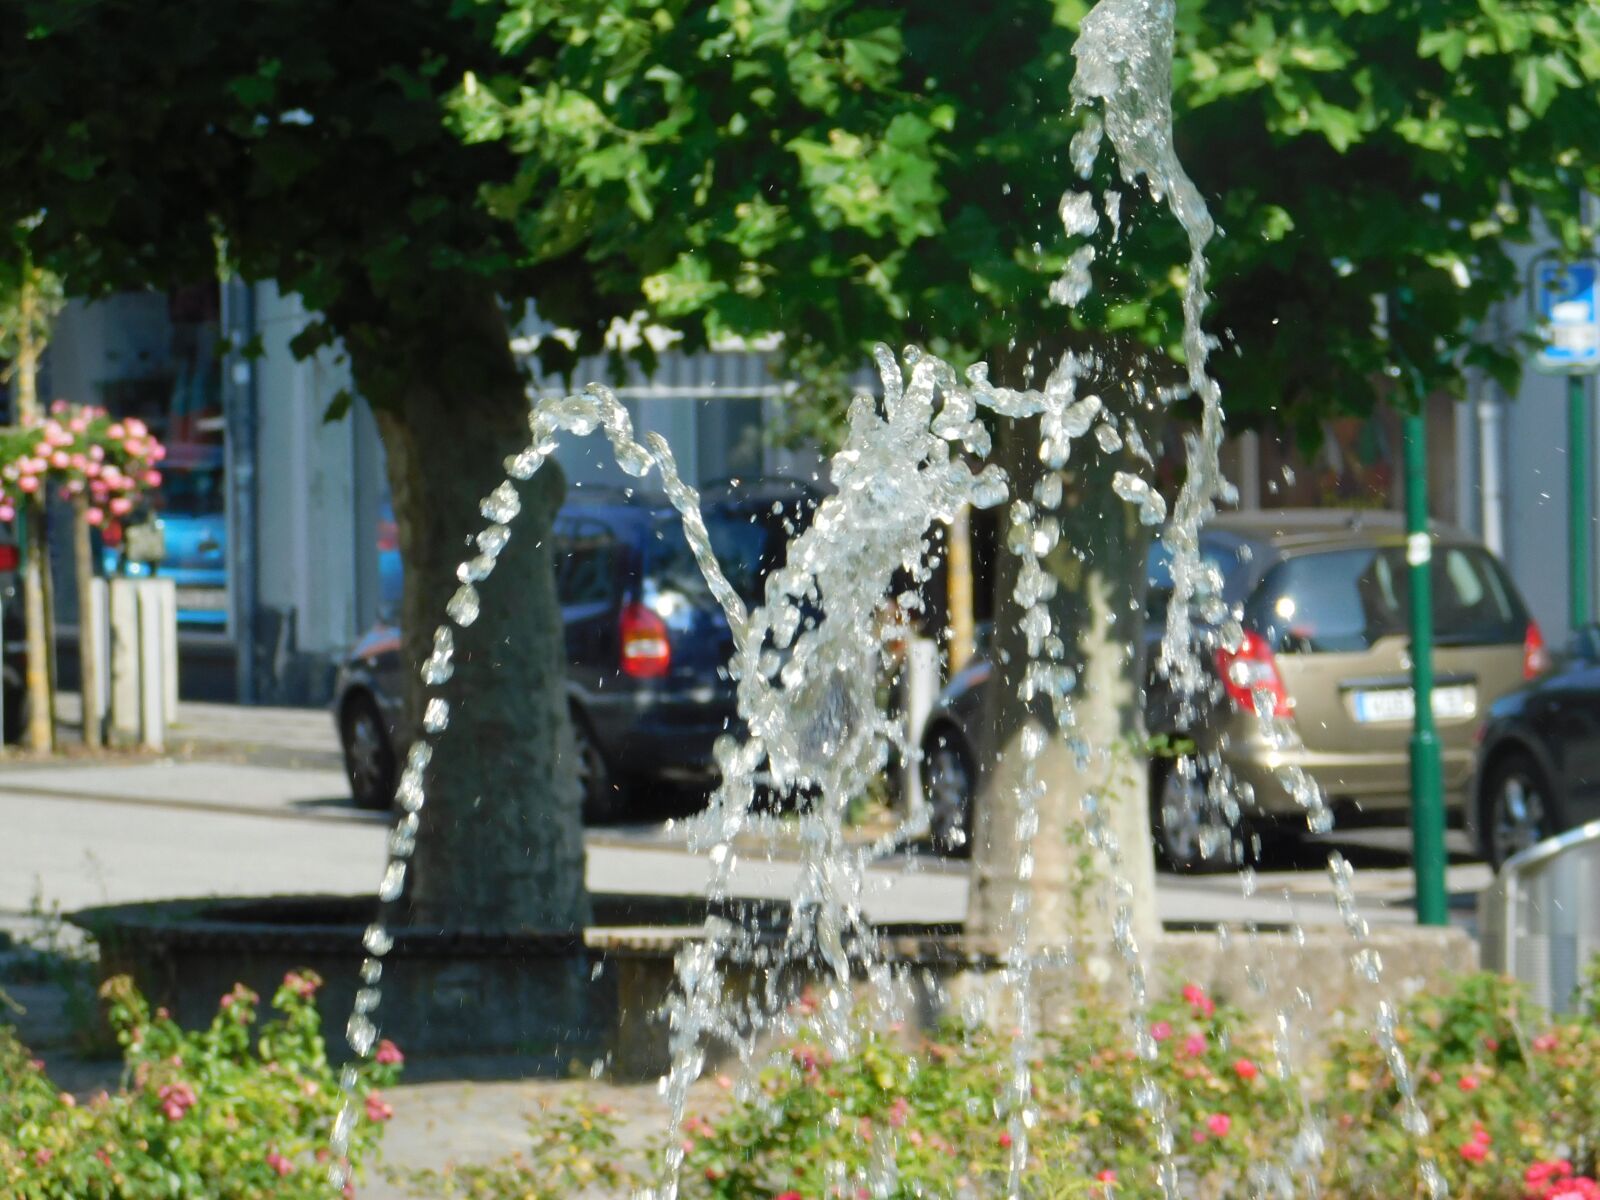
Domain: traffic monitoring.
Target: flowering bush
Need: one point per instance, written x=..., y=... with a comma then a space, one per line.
x=239, y=1109
x=1512, y=1104
x=86, y=455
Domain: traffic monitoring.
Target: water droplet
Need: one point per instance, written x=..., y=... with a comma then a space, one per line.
x=463, y=607
x=394, y=879
x=377, y=940
x=501, y=505
x=436, y=717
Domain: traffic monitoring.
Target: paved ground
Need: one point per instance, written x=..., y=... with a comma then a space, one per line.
x=252, y=802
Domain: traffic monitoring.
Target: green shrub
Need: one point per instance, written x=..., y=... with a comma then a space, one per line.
x=1512, y=1102
x=237, y=1110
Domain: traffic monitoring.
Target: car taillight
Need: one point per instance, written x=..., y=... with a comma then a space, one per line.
x=1248, y=672
x=1535, y=658
x=9, y=558
x=646, y=652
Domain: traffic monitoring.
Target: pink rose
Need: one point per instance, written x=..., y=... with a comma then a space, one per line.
x=1161, y=1031
x=121, y=506
x=377, y=1110
x=1219, y=1124
x=1194, y=1045
x=279, y=1163
x=152, y=478
x=60, y=460
x=1473, y=1152
x=29, y=483
x=97, y=452
x=1245, y=1069
x=389, y=1054
x=1468, y=1083
x=117, y=432
x=7, y=513
x=94, y=516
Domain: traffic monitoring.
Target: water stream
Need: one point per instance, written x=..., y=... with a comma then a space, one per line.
x=808, y=660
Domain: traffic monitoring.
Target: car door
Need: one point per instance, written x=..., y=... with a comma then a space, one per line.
x=1564, y=713
x=587, y=564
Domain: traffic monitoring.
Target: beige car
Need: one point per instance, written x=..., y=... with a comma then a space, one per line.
x=1323, y=599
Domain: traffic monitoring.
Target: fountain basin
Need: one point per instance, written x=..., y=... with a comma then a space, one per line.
x=464, y=1003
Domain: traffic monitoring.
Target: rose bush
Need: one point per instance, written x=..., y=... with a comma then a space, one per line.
x=1512, y=1103
x=85, y=455
x=241, y=1109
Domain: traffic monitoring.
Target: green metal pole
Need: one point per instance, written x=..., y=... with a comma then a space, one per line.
x=1427, y=790
x=1577, y=502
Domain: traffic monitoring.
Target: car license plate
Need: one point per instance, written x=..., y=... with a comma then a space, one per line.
x=202, y=599
x=1452, y=702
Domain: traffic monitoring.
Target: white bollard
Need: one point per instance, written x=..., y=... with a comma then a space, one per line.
x=98, y=643
x=152, y=664
x=168, y=592
x=921, y=690
x=124, y=651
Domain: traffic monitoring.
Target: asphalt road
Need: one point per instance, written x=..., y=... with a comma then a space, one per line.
x=70, y=838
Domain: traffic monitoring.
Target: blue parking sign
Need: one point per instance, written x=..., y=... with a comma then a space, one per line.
x=1565, y=296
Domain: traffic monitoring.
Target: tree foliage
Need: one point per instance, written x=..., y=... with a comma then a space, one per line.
x=844, y=173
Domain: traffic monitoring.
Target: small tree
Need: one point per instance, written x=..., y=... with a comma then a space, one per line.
x=31, y=297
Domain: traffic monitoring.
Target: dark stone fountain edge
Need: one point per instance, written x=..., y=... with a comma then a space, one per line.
x=507, y=1005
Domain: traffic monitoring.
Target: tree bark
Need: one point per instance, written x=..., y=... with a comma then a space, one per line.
x=88, y=625
x=1098, y=611
x=36, y=618
x=500, y=845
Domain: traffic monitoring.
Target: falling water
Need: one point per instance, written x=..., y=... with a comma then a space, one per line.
x=806, y=661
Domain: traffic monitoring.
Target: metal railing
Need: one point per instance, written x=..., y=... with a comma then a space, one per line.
x=1540, y=920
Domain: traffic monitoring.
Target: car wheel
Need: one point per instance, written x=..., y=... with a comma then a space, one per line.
x=1519, y=810
x=602, y=794
x=1190, y=834
x=368, y=754
x=949, y=785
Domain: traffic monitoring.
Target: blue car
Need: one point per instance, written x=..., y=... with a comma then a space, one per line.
x=191, y=506
x=645, y=639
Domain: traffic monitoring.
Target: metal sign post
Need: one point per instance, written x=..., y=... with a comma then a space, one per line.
x=1566, y=300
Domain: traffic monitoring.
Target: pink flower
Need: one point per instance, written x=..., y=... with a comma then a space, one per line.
x=898, y=1111
x=176, y=1099
x=41, y=450
x=135, y=426
x=1473, y=1151
x=303, y=985
x=1161, y=1031
x=157, y=452
x=389, y=1054
x=1219, y=1124
x=1546, y=1042
x=58, y=406
x=1468, y=1083
x=60, y=460
x=121, y=506
x=377, y=1110
x=41, y=1156
x=1107, y=1176
x=97, y=452
x=29, y=484
x=279, y=1163
x=7, y=513
x=117, y=432
x=1005, y=1141
x=789, y=1195
x=1245, y=1069
x=1194, y=1045
x=94, y=516
x=1542, y=1172
x=79, y=462
x=152, y=478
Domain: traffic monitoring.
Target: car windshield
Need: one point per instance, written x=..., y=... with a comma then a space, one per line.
x=748, y=541
x=1345, y=600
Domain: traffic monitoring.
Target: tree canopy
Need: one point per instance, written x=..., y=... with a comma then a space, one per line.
x=843, y=173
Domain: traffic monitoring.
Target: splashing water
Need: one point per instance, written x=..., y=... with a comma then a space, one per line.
x=807, y=660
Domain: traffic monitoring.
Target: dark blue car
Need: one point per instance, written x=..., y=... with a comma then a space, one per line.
x=645, y=639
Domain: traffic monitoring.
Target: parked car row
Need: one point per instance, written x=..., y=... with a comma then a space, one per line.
x=1323, y=596
x=646, y=641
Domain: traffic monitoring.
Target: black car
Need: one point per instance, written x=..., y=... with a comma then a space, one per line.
x=1538, y=769
x=646, y=641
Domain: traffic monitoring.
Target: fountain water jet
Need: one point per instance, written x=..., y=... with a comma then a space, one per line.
x=806, y=661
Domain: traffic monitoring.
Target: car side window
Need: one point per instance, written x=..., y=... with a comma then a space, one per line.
x=586, y=563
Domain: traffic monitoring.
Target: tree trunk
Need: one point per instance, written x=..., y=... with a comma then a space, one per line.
x=500, y=845
x=36, y=618
x=88, y=625
x=1098, y=611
